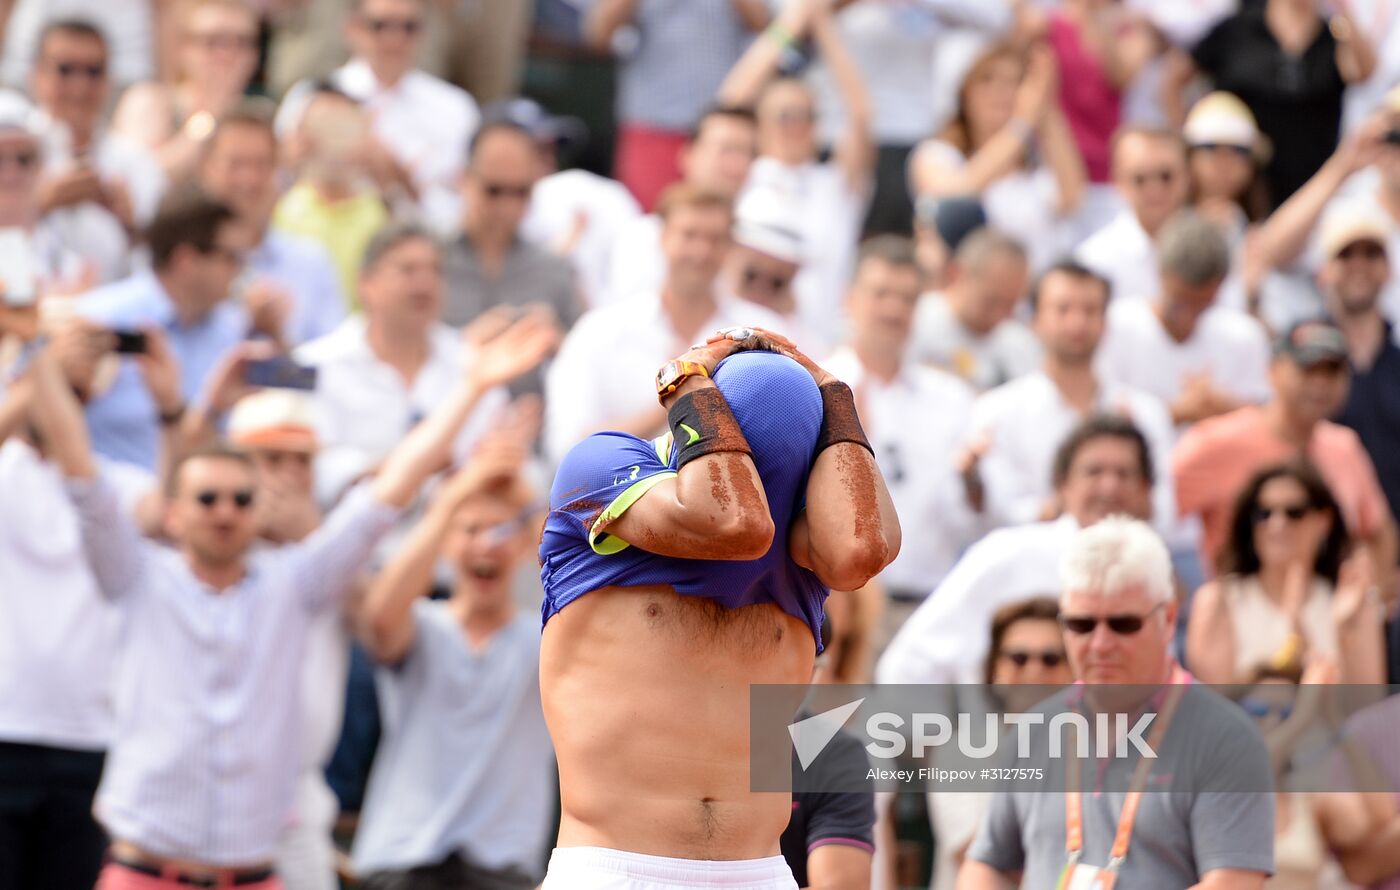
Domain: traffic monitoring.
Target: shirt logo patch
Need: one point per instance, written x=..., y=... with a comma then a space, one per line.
x=621, y=479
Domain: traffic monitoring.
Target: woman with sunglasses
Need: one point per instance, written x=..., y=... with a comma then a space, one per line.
x=217, y=57
x=1286, y=589
x=1009, y=145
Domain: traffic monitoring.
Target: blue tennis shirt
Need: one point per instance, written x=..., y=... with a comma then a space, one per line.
x=779, y=408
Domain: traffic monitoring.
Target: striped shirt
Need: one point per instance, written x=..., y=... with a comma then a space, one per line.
x=204, y=762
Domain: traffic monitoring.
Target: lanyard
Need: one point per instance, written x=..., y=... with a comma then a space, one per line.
x=1074, y=803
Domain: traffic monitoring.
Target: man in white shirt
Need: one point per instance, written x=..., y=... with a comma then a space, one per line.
x=202, y=771
x=381, y=372
x=423, y=124
x=601, y=379
x=915, y=417
x=1020, y=424
x=716, y=158
x=1103, y=468
x=765, y=262
x=970, y=329
x=1201, y=358
x=1149, y=173
x=98, y=189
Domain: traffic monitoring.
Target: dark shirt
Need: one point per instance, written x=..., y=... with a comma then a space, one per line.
x=1373, y=411
x=822, y=817
x=530, y=275
x=1297, y=100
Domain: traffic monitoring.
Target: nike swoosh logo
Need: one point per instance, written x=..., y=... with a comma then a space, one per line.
x=694, y=436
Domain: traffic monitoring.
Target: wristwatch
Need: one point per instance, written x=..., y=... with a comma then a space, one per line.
x=674, y=373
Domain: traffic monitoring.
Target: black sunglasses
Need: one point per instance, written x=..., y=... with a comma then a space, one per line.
x=496, y=190
x=1022, y=657
x=242, y=499
x=408, y=27
x=1294, y=512
x=1123, y=625
x=77, y=69
x=1161, y=177
x=754, y=276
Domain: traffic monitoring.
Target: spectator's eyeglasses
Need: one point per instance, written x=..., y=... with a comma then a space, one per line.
x=788, y=116
x=24, y=160
x=242, y=499
x=774, y=283
x=225, y=40
x=496, y=190
x=1022, y=657
x=1164, y=176
x=68, y=70
x=1294, y=512
x=1122, y=625
x=406, y=27
x=1240, y=150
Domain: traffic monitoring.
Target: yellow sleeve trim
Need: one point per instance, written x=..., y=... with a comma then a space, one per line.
x=605, y=544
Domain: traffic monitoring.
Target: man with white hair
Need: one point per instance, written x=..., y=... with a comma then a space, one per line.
x=1118, y=611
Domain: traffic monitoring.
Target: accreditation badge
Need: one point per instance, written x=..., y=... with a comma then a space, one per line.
x=1086, y=877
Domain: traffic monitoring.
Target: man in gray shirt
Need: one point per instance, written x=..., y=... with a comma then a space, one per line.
x=462, y=789
x=1205, y=818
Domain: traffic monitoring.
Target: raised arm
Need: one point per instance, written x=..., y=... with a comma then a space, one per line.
x=855, y=148
x=1356, y=57
x=604, y=20
x=385, y=618
x=760, y=61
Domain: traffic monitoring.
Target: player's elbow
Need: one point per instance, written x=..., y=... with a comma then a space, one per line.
x=853, y=562
x=747, y=534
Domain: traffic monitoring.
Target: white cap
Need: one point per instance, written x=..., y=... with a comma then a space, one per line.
x=1221, y=119
x=1349, y=223
x=766, y=220
x=17, y=113
x=273, y=418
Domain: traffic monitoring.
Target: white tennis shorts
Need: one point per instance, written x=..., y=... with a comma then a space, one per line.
x=597, y=868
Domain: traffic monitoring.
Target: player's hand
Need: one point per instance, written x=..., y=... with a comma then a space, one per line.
x=783, y=346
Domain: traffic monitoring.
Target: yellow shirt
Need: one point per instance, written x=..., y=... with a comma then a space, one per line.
x=343, y=227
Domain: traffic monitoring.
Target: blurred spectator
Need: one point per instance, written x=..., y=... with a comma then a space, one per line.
x=1225, y=154
x=1009, y=145
x=940, y=225
x=1017, y=426
x=462, y=789
x=716, y=158
x=98, y=188
x=1119, y=613
x=421, y=125
x=602, y=378
x=398, y=359
x=129, y=26
x=918, y=460
x=1200, y=358
x=479, y=46
x=1285, y=593
x=333, y=200
x=683, y=50
x=59, y=265
x=1309, y=378
x=574, y=213
x=1103, y=468
x=197, y=250
x=218, y=53
x=1149, y=173
x=1351, y=282
x=1370, y=855
x=181, y=692
x=62, y=637
x=287, y=277
x=1290, y=66
x=900, y=49
x=970, y=328
x=764, y=261
x=828, y=199
x=1362, y=98
x=488, y=263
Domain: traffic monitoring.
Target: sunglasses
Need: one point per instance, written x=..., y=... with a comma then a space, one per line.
x=1239, y=150
x=1294, y=512
x=1122, y=625
x=754, y=276
x=406, y=27
x=1160, y=177
x=225, y=40
x=795, y=116
x=242, y=499
x=496, y=191
x=1022, y=657
x=1362, y=250
x=24, y=160
x=67, y=70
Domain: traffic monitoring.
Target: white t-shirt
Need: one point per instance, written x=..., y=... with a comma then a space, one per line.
x=984, y=362
x=1123, y=253
x=635, y=263
x=1379, y=20
x=1021, y=204
x=558, y=202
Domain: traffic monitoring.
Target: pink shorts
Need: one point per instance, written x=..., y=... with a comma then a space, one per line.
x=647, y=161
x=119, y=877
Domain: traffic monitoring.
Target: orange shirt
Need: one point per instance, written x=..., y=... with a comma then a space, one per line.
x=1215, y=458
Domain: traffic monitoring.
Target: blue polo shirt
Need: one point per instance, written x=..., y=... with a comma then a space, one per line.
x=123, y=420
x=1373, y=411
x=304, y=269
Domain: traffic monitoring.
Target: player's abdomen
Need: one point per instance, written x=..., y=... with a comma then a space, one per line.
x=646, y=697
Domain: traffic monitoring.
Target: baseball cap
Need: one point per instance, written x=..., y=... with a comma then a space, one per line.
x=1312, y=342
x=273, y=418
x=766, y=220
x=1349, y=224
x=953, y=218
x=542, y=126
x=1221, y=118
